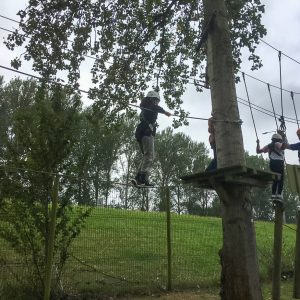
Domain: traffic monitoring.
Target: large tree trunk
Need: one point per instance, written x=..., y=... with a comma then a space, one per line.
x=240, y=275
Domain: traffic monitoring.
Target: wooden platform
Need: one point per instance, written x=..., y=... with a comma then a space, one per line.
x=236, y=174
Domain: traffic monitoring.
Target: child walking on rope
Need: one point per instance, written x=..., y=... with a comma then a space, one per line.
x=145, y=133
x=276, y=155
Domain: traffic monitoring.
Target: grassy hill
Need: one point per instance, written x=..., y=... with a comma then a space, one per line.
x=128, y=251
x=121, y=252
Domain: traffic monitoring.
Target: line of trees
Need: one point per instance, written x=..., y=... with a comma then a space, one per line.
x=56, y=134
x=45, y=131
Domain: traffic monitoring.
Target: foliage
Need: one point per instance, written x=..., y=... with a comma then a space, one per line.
x=93, y=159
x=136, y=44
x=177, y=155
x=39, y=135
x=262, y=204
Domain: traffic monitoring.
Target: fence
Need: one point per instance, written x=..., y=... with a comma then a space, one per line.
x=126, y=251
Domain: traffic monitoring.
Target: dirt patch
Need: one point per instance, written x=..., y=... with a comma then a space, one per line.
x=177, y=296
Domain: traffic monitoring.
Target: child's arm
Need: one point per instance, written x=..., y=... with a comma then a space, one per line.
x=159, y=109
x=261, y=150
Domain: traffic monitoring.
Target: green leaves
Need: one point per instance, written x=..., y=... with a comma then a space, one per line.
x=246, y=29
x=136, y=45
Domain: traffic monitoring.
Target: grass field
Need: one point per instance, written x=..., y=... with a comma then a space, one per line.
x=125, y=252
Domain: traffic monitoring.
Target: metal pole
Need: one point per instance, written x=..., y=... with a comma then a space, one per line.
x=297, y=259
x=277, y=251
x=52, y=225
x=169, y=246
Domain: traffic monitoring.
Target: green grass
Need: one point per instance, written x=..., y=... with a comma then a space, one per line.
x=121, y=252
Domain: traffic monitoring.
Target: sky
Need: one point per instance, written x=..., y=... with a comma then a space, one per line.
x=282, y=21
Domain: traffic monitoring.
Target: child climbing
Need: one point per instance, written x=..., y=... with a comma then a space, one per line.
x=144, y=134
x=295, y=146
x=212, y=141
x=276, y=154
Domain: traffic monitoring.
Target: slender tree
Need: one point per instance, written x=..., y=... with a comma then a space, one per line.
x=240, y=274
x=39, y=135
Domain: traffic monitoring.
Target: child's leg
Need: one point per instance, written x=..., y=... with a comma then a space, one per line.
x=277, y=166
x=148, y=157
x=280, y=183
x=275, y=182
x=274, y=187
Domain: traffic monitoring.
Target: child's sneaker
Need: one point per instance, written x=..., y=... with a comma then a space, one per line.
x=137, y=182
x=134, y=182
x=278, y=200
x=148, y=184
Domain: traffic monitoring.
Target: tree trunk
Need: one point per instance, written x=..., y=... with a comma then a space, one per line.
x=240, y=275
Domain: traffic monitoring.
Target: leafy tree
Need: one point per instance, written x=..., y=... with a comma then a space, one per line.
x=77, y=169
x=40, y=134
x=177, y=155
x=129, y=158
x=135, y=43
x=260, y=196
x=93, y=159
x=262, y=205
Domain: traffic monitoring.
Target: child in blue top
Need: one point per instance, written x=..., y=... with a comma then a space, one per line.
x=295, y=146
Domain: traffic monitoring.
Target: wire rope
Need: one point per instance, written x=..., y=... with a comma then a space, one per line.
x=292, y=97
x=250, y=106
x=281, y=119
x=272, y=105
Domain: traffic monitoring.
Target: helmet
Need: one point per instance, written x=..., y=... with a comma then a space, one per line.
x=276, y=136
x=153, y=94
x=298, y=132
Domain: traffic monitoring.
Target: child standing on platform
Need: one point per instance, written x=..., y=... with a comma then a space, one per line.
x=276, y=154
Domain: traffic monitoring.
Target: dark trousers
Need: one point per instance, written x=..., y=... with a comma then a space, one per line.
x=213, y=164
x=277, y=166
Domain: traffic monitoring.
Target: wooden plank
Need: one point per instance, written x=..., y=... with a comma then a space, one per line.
x=217, y=172
x=235, y=174
x=252, y=171
x=245, y=181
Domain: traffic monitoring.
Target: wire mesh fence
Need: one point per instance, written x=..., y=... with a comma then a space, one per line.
x=123, y=251
x=127, y=251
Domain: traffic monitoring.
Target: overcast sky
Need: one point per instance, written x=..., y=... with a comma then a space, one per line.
x=282, y=20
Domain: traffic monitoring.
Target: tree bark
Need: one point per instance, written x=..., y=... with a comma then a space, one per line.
x=240, y=274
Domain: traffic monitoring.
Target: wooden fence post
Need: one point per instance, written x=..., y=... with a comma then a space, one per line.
x=169, y=244
x=296, y=293
x=277, y=251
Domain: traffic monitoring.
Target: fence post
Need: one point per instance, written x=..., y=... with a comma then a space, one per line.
x=277, y=251
x=169, y=245
x=49, y=258
x=296, y=294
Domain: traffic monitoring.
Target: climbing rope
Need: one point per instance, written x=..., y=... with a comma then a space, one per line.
x=281, y=119
x=272, y=105
x=292, y=96
x=250, y=105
